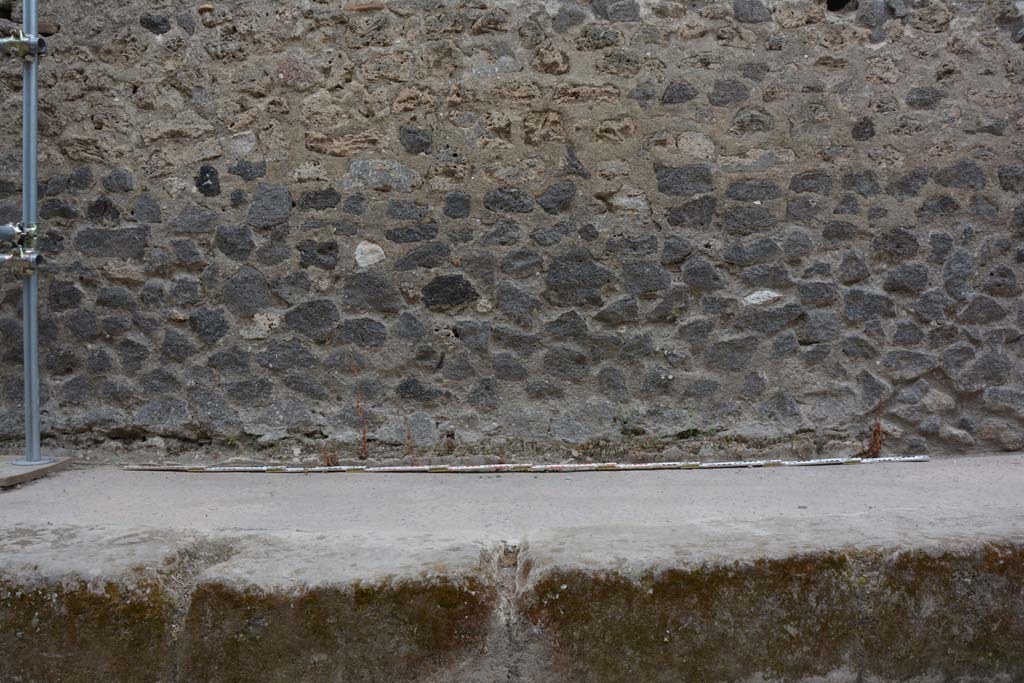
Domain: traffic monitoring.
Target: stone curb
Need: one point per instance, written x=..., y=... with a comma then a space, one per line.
x=90, y=604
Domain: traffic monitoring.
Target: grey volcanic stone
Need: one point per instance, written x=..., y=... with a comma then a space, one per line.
x=906, y=365
x=119, y=180
x=748, y=253
x=731, y=355
x=1005, y=399
x=897, y=245
x=728, y=91
x=1011, y=178
x=619, y=312
x=864, y=183
x=932, y=305
x=804, y=209
x=484, y=395
x=678, y=92
x=355, y=205
x=63, y=296
x=751, y=120
x=863, y=129
x=964, y=174
x=164, y=415
x=507, y=368
x=910, y=278
x=683, y=181
x=411, y=389
x=910, y=184
x=383, y=175
x=772, y=276
x=676, y=250
x=362, y=332
x=409, y=326
x=323, y=255
x=520, y=306
x=520, y=342
x=640, y=277
x=126, y=243
x=421, y=232
x=318, y=200
x=611, y=382
x=247, y=293
x=369, y=292
x=56, y=208
x=696, y=214
x=856, y=346
x=429, y=255
x=231, y=360
x=505, y=232
x=508, y=200
x=448, y=291
x=521, y=263
x=287, y=354
x=315, y=319
x=818, y=293
x=208, y=181
x=569, y=325
x=753, y=190
x=177, y=346
x=746, y=220
x=617, y=10
x=566, y=363
x=981, y=310
x=700, y=273
x=194, y=220
x=567, y=17
x=750, y=11
x=797, y=245
x=575, y=278
x=769, y=320
x=209, y=324
x=457, y=205
x=248, y=170
x=781, y=407
x=818, y=327
x=957, y=274
x=924, y=98
x=155, y=23
x=1001, y=281
x=235, y=241
x=863, y=305
x=991, y=368
x=258, y=391
x=416, y=140
x=271, y=205
x=558, y=197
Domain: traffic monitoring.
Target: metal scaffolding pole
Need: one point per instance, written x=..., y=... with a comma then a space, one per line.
x=29, y=47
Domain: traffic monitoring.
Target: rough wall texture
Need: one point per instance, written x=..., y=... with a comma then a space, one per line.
x=663, y=228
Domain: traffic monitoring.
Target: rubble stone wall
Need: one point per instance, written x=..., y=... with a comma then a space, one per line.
x=526, y=230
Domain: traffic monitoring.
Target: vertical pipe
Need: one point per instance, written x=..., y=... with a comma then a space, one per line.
x=30, y=218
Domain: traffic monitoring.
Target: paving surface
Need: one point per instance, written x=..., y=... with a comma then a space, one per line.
x=978, y=490
x=495, y=543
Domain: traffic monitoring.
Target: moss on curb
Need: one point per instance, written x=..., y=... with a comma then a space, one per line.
x=391, y=631
x=76, y=632
x=958, y=615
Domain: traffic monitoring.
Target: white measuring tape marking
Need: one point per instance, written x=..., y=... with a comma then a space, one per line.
x=514, y=468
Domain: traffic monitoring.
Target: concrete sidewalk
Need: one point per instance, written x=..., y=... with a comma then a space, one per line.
x=888, y=572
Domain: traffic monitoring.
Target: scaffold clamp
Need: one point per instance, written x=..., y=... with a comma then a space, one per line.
x=24, y=47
